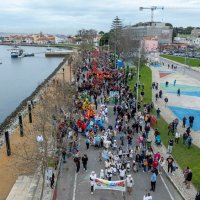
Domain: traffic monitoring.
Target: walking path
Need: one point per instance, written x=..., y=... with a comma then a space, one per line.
x=184, y=102
x=11, y=167
x=181, y=103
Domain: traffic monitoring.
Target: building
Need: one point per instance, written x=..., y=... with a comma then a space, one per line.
x=195, y=33
x=182, y=40
x=150, y=44
x=60, y=39
x=158, y=30
x=196, y=42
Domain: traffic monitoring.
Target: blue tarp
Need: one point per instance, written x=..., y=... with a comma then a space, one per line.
x=120, y=63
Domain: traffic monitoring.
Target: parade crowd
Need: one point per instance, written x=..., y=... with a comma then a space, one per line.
x=113, y=121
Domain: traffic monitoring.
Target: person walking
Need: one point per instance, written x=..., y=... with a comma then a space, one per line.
x=189, y=141
x=153, y=181
x=166, y=101
x=160, y=94
x=122, y=173
x=185, y=174
x=52, y=181
x=156, y=96
x=184, y=121
x=170, y=162
x=147, y=197
x=84, y=161
x=197, y=196
x=64, y=155
x=174, y=82
x=188, y=179
x=177, y=136
x=161, y=165
x=191, y=121
x=158, y=112
x=109, y=173
x=170, y=145
x=179, y=92
x=92, y=181
x=78, y=164
x=102, y=175
x=87, y=142
x=129, y=184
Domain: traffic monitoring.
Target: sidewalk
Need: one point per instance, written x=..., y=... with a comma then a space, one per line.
x=167, y=114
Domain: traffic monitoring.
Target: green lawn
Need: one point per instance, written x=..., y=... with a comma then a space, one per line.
x=194, y=62
x=184, y=157
x=146, y=79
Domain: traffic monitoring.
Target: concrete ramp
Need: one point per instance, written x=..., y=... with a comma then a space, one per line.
x=20, y=188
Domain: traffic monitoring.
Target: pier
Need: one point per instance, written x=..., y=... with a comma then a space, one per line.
x=58, y=53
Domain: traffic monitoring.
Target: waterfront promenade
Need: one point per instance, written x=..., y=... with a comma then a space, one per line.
x=11, y=167
x=76, y=186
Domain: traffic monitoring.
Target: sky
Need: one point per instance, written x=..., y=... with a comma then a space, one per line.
x=69, y=16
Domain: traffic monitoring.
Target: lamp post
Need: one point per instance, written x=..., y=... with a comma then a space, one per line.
x=138, y=76
x=115, y=55
x=185, y=60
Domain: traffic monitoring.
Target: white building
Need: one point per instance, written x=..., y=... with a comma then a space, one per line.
x=196, y=42
x=60, y=39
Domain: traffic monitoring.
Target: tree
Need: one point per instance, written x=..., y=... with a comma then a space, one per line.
x=101, y=32
x=115, y=34
x=56, y=103
x=104, y=39
x=87, y=37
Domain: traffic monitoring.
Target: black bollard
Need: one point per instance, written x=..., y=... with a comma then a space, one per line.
x=29, y=113
x=63, y=74
x=7, y=143
x=21, y=126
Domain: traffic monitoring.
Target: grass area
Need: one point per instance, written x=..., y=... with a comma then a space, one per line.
x=183, y=156
x=194, y=62
x=146, y=79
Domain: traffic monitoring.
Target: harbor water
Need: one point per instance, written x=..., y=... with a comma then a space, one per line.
x=19, y=77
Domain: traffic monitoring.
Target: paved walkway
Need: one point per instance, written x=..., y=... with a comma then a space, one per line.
x=168, y=115
x=184, y=101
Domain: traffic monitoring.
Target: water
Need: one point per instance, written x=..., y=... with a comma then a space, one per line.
x=20, y=76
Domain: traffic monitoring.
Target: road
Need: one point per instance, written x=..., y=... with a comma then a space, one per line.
x=181, y=68
x=72, y=186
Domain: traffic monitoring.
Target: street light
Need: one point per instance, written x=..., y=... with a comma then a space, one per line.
x=138, y=77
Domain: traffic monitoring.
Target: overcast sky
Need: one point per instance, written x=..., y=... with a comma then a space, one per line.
x=68, y=16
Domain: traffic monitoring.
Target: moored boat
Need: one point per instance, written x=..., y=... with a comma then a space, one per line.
x=16, y=52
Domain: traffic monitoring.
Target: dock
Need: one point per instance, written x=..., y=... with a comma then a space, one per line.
x=58, y=53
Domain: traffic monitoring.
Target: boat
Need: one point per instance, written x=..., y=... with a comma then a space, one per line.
x=16, y=52
x=29, y=54
x=48, y=49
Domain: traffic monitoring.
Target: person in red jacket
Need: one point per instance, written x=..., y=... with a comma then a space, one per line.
x=155, y=163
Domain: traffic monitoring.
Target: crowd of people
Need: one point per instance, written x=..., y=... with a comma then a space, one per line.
x=122, y=131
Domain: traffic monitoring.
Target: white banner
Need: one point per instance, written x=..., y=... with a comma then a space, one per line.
x=110, y=185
